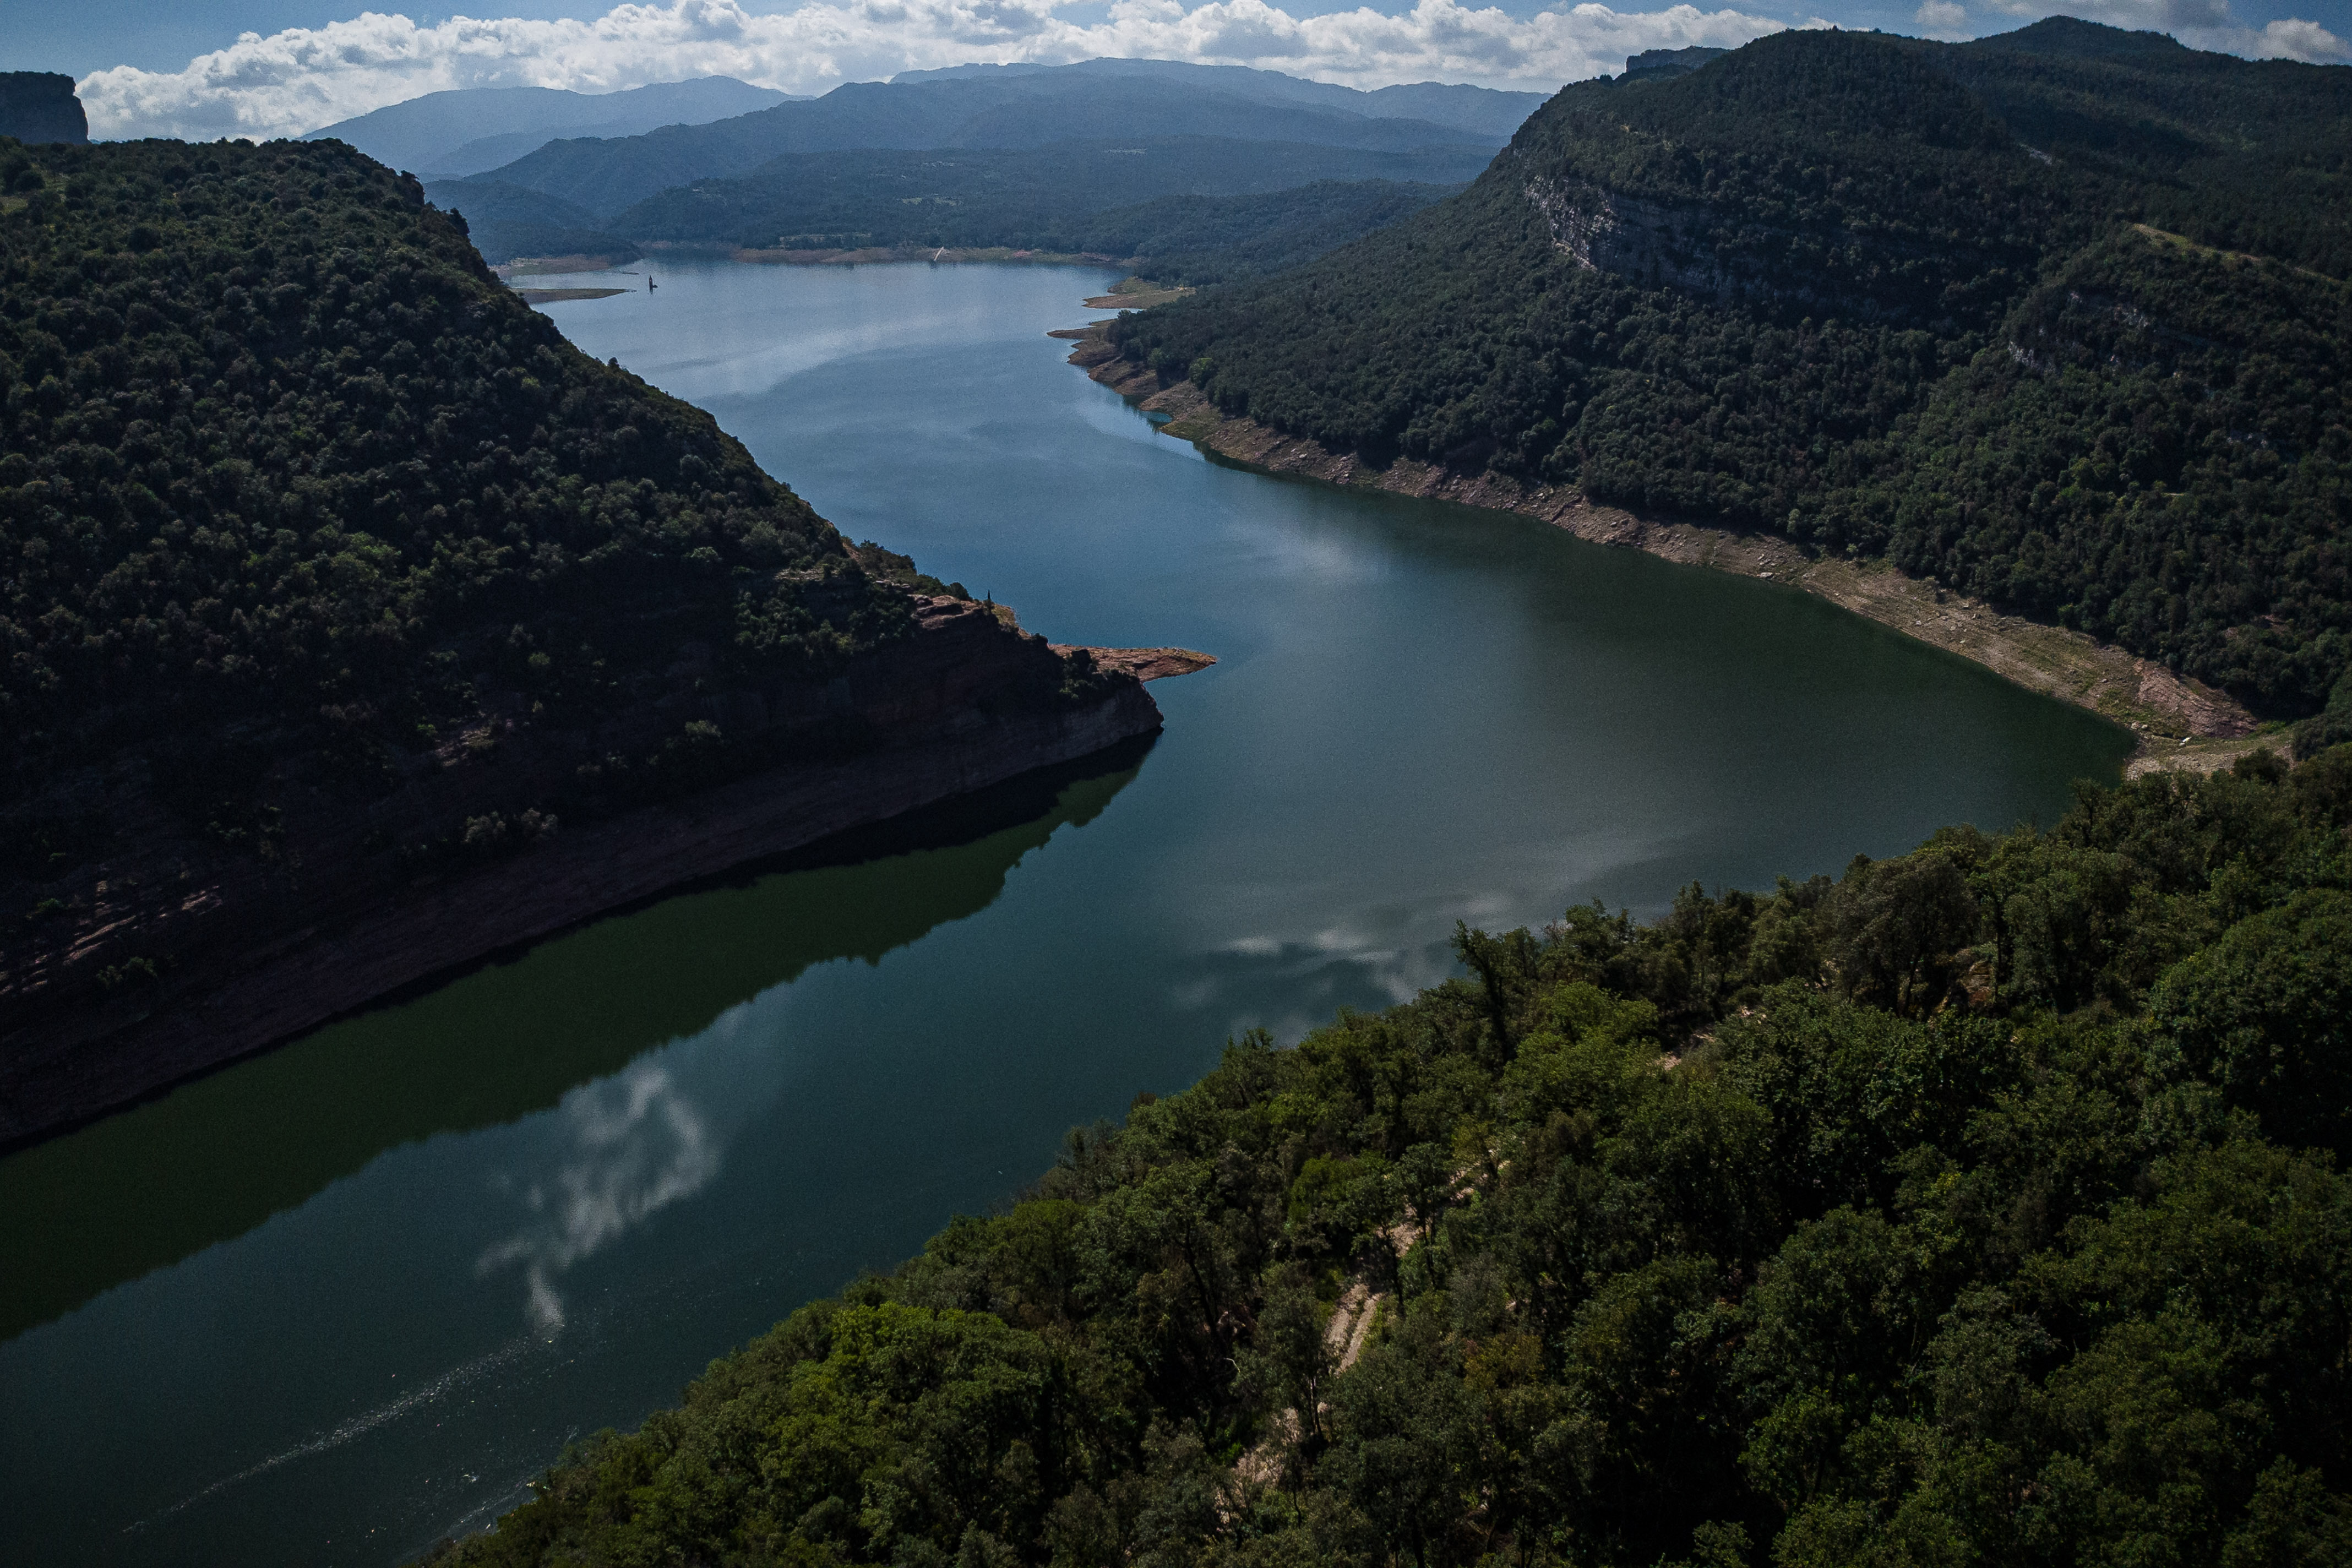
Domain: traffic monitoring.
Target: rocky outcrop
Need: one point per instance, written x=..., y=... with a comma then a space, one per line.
x=1144, y=663
x=40, y=106
x=1690, y=247
x=176, y=951
x=1671, y=62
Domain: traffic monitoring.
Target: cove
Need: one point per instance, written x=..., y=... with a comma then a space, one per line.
x=333, y=1302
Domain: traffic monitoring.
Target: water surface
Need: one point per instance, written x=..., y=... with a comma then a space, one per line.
x=332, y=1303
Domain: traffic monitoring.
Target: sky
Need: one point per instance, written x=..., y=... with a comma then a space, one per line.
x=203, y=68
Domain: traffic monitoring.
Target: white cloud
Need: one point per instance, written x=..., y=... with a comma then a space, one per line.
x=1941, y=18
x=2294, y=39
x=304, y=78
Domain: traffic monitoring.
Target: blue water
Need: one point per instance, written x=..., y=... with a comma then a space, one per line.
x=331, y=1304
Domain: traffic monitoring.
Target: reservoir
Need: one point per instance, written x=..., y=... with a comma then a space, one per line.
x=334, y=1302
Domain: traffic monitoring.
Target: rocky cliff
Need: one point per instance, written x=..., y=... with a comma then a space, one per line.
x=40, y=106
x=177, y=951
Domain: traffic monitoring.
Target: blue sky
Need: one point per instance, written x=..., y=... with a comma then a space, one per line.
x=281, y=67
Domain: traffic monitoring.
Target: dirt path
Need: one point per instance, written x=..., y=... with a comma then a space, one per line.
x=2181, y=723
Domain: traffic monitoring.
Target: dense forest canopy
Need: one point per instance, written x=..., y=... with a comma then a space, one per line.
x=1198, y=239
x=1981, y=1206
x=2059, y=318
x=284, y=469
x=1044, y=199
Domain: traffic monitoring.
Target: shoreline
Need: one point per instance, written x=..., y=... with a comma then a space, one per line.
x=948, y=255
x=2181, y=723
x=323, y=948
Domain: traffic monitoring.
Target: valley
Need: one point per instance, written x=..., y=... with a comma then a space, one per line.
x=871, y=1043
x=1557, y=1056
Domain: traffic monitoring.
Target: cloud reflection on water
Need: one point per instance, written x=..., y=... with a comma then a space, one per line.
x=636, y=1144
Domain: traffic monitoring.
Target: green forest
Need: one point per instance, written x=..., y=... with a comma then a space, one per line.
x=1982, y=1205
x=1265, y=206
x=508, y=221
x=2057, y=318
x=286, y=473
x=1197, y=239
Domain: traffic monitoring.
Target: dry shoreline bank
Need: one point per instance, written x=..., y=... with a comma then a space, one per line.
x=2181, y=723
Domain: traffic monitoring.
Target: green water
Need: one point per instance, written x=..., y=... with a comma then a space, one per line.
x=332, y=1303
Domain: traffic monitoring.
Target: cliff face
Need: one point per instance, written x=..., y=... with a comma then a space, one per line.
x=40, y=106
x=179, y=950
x=1732, y=258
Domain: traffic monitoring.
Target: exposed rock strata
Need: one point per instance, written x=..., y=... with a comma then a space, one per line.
x=1144, y=663
x=2152, y=700
x=1691, y=246
x=213, y=952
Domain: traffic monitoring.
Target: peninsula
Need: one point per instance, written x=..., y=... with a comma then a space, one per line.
x=358, y=626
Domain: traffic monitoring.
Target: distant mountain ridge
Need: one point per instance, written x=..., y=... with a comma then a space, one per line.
x=1018, y=110
x=1483, y=110
x=468, y=130
x=1039, y=198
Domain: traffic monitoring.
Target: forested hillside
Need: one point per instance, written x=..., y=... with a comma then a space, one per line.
x=1197, y=239
x=1982, y=1206
x=1067, y=197
x=333, y=581
x=2058, y=318
x=282, y=466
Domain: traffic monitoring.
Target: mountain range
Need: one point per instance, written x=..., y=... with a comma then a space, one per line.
x=1017, y=156
x=468, y=130
x=1483, y=110
x=1014, y=110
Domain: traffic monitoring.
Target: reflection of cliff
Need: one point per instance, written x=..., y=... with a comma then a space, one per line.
x=176, y=951
x=145, y=1188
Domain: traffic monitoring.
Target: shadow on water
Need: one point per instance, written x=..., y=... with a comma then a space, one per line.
x=109, y=1202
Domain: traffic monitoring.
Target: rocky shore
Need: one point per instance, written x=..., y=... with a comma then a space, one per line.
x=175, y=954
x=2181, y=723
